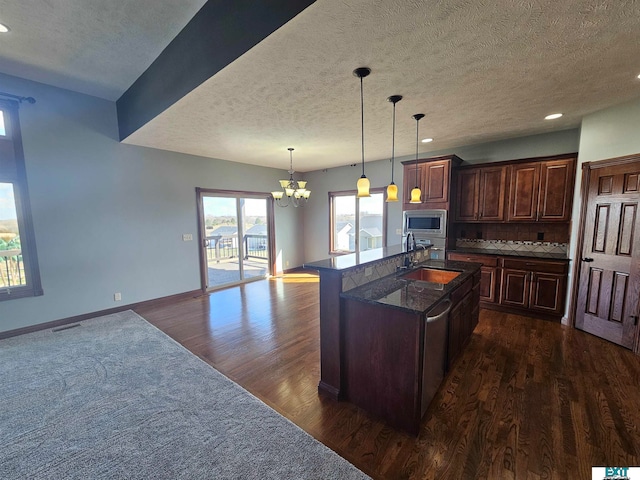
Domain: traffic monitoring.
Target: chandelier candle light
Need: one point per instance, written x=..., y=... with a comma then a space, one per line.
x=293, y=192
x=416, y=193
x=392, y=188
x=363, y=182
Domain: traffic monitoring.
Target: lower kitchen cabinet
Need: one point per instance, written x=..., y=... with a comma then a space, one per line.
x=489, y=274
x=521, y=284
x=536, y=285
x=463, y=318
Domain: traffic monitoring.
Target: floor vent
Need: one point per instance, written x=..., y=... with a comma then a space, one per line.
x=65, y=327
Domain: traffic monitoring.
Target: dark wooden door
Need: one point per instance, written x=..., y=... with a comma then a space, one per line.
x=488, y=284
x=436, y=181
x=467, y=194
x=524, y=185
x=515, y=288
x=492, y=187
x=609, y=282
x=547, y=292
x=556, y=190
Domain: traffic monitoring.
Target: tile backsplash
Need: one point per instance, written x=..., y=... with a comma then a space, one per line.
x=522, y=232
x=358, y=276
x=513, y=245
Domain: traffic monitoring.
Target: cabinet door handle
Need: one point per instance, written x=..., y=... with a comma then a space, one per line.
x=635, y=319
x=587, y=260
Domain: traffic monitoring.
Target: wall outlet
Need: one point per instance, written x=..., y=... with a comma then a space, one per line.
x=368, y=271
x=117, y=297
x=286, y=264
x=187, y=237
x=398, y=231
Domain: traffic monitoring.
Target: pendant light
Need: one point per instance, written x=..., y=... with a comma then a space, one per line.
x=416, y=193
x=363, y=181
x=392, y=188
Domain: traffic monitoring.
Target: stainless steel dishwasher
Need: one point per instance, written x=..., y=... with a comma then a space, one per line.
x=434, y=359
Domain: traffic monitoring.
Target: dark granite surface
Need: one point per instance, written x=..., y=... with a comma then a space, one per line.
x=354, y=260
x=502, y=253
x=413, y=295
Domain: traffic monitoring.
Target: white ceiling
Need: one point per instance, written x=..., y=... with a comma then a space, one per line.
x=480, y=70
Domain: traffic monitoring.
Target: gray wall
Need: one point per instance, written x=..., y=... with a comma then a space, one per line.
x=609, y=133
x=109, y=217
x=379, y=173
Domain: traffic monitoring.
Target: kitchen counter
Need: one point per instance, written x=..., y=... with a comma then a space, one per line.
x=512, y=253
x=344, y=263
x=414, y=296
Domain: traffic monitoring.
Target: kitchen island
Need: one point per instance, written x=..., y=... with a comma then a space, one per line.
x=388, y=335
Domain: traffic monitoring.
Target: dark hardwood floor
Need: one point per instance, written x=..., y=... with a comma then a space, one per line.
x=527, y=399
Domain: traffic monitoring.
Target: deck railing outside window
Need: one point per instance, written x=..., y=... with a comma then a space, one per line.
x=220, y=247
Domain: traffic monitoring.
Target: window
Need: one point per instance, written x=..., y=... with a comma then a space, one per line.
x=357, y=224
x=19, y=275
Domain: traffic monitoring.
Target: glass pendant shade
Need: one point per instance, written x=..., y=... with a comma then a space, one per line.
x=392, y=192
x=277, y=195
x=392, y=189
x=363, y=187
x=415, y=195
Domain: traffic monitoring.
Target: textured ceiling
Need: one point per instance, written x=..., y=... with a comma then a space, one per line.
x=480, y=71
x=97, y=47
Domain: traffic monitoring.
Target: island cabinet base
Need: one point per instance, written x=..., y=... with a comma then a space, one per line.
x=390, y=370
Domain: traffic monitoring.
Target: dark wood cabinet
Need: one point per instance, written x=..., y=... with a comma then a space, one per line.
x=480, y=194
x=520, y=283
x=461, y=319
x=541, y=191
x=489, y=274
x=515, y=288
x=556, y=190
x=394, y=360
x=537, y=285
x=433, y=177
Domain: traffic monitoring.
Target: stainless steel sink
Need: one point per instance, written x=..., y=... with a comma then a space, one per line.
x=432, y=275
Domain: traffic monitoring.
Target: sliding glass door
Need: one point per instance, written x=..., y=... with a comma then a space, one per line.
x=236, y=237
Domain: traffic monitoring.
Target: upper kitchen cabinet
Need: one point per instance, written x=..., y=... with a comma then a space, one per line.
x=480, y=194
x=542, y=191
x=433, y=177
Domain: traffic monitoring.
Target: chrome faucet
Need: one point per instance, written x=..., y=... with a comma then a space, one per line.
x=409, y=247
x=411, y=242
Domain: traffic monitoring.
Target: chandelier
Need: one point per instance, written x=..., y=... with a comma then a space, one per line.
x=293, y=192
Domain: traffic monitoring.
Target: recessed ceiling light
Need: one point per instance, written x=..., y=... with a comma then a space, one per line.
x=553, y=116
x=427, y=140
x=3, y=28
x=638, y=76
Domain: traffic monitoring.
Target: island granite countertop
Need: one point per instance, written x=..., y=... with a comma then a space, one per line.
x=415, y=296
x=343, y=263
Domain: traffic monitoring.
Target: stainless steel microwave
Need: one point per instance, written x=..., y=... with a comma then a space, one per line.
x=425, y=223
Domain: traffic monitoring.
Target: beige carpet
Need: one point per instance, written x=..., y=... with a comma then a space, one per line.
x=117, y=398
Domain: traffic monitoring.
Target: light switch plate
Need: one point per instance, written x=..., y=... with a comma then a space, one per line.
x=187, y=237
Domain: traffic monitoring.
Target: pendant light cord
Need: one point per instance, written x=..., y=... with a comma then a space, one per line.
x=362, y=121
x=393, y=142
x=417, y=138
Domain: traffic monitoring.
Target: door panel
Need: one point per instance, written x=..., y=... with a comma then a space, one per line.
x=609, y=282
x=235, y=242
